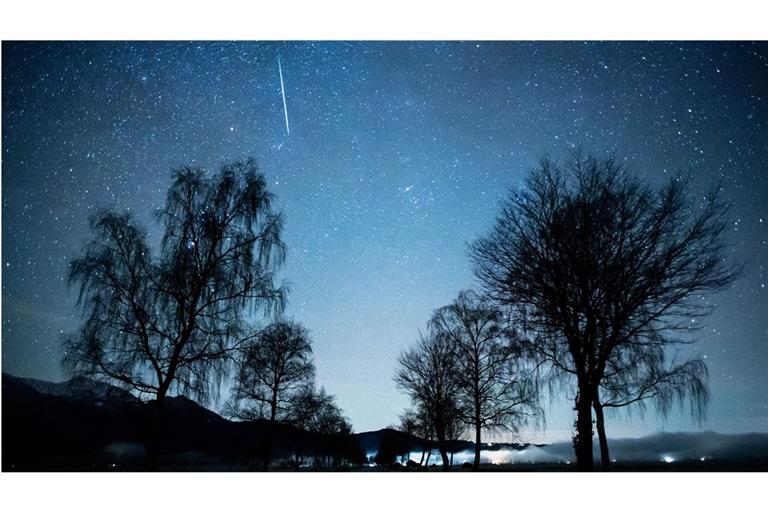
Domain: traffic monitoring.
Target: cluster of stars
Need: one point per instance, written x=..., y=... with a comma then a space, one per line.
x=397, y=156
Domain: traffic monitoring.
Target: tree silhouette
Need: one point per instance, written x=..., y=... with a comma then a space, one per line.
x=595, y=262
x=172, y=322
x=495, y=390
x=274, y=370
x=455, y=428
x=417, y=423
x=391, y=447
x=316, y=411
x=428, y=374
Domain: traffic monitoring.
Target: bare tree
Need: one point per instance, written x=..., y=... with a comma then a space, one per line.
x=316, y=411
x=428, y=374
x=168, y=323
x=455, y=427
x=594, y=261
x=410, y=424
x=274, y=370
x=495, y=389
x=417, y=423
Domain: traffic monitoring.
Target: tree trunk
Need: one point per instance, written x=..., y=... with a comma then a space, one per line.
x=476, y=379
x=443, y=447
x=605, y=458
x=582, y=442
x=273, y=407
x=429, y=451
x=270, y=438
x=444, y=456
x=476, y=463
x=156, y=428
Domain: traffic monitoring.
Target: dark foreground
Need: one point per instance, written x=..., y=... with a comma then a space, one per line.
x=81, y=425
x=200, y=463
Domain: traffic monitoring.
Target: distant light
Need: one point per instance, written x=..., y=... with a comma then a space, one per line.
x=702, y=459
x=668, y=459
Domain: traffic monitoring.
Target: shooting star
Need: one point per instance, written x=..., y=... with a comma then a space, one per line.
x=282, y=91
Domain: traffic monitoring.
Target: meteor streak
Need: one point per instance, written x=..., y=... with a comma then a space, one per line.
x=282, y=91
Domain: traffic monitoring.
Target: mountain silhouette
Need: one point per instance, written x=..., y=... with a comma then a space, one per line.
x=87, y=425
x=82, y=424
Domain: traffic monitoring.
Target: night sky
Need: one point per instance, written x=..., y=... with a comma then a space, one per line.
x=397, y=156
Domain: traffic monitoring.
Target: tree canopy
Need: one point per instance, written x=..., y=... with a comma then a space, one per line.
x=274, y=371
x=496, y=388
x=170, y=319
x=596, y=264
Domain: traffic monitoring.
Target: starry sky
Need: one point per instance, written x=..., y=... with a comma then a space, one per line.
x=397, y=157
